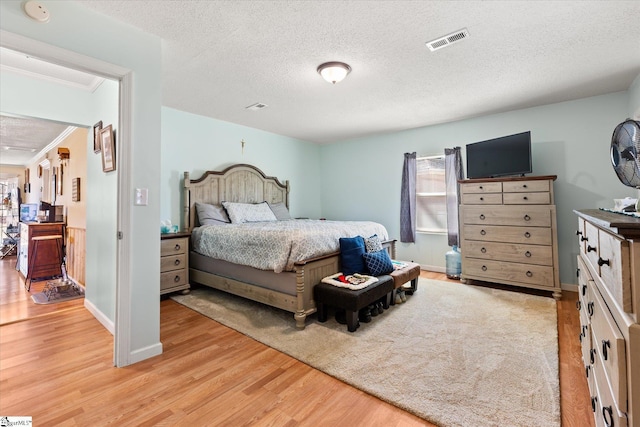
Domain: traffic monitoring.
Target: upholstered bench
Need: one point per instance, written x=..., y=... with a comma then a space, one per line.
x=411, y=272
x=352, y=300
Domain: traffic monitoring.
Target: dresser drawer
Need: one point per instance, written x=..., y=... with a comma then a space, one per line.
x=606, y=413
x=481, y=187
x=527, y=198
x=481, y=199
x=174, y=246
x=510, y=252
x=526, y=186
x=494, y=233
x=610, y=346
x=173, y=279
x=525, y=216
x=507, y=271
x=173, y=262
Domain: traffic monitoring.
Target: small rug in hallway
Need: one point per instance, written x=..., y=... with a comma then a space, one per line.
x=56, y=291
x=453, y=354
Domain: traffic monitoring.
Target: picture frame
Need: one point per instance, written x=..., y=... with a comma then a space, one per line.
x=108, y=148
x=75, y=190
x=59, y=180
x=96, y=137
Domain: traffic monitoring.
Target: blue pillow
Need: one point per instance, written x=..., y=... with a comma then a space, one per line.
x=378, y=263
x=351, y=251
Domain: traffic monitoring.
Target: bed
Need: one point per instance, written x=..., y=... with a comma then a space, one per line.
x=285, y=284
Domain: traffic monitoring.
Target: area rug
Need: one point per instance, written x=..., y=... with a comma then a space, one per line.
x=452, y=354
x=56, y=292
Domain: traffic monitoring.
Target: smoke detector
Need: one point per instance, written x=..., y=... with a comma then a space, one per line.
x=36, y=11
x=448, y=40
x=256, y=106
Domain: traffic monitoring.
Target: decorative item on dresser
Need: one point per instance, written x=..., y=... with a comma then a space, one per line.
x=508, y=232
x=174, y=262
x=609, y=305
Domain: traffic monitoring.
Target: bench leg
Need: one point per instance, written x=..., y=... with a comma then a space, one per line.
x=352, y=321
x=322, y=312
x=387, y=300
x=393, y=297
x=413, y=288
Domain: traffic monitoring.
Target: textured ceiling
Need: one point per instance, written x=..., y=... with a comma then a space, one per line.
x=21, y=139
x=222, y=56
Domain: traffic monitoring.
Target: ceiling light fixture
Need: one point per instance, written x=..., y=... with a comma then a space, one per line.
x=334, y=72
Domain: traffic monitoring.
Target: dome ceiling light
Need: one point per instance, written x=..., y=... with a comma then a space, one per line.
x=334, y=72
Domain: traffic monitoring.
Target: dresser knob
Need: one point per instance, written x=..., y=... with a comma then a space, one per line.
x=527, y=217
x=482, y=232
x=176, y=262
x=481, y=187
x=602, y=262
x=484, y=268
x=483, y=250
x=177, y=247
x=592, y=355
x=578, y=233
x=591, y=248
x=482, y=216
x=594, y=401
x=527, y=254
x=525, y=198
x=481, y=198
x=608, y=413
x=606, y=345
x=527, y=234
x=176, y=279
x=578, y=305
x=582, y=238
x=590, y=309
x=586, y=370
x=529, y=274
x=524, y=185
x=584, y=290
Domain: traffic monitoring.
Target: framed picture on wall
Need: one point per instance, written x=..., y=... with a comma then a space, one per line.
x=108, y=147
x=96, y=136
x=59, y=180
x=75, y=190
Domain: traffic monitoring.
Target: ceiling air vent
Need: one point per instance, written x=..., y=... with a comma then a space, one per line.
x=256, y=106
x=447, y=40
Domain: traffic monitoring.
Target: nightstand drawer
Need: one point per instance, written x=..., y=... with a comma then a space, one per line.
x=174, y=246
x=173, y=262
x=172, y=279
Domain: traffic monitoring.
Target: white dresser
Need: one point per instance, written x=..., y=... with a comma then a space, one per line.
x=508, y=232
x=609, y=303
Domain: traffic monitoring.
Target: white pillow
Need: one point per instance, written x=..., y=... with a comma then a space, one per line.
x=280, y=211
x=249, y=212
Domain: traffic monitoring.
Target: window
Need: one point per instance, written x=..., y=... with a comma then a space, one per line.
x=431, y=195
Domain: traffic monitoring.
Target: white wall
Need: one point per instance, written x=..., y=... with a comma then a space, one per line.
x=361, y=178
x=76, y=29
x=634, y=99
x=196, y=144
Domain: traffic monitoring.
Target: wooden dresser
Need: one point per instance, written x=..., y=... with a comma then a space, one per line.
x=508, y=232
x=174, y=262
x=609, y=304
x=47, y=260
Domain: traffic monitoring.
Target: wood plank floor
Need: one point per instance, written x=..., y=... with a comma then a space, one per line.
x=57, y=368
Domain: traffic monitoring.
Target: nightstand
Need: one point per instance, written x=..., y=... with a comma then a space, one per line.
x=174, y=262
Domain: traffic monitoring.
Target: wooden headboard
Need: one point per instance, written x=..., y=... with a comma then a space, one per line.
x=238, y=183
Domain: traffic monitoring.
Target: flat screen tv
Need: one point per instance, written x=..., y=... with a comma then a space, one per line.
x=504, y=156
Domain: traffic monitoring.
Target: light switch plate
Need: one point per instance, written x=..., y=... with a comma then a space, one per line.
x=142, y=197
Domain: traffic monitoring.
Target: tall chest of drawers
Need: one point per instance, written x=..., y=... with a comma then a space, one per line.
x=508, y=232
x=609, y=306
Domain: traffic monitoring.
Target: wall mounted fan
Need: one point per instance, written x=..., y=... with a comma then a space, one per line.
x=625, y=152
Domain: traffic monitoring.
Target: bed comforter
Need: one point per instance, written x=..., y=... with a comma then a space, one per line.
x=278, y=245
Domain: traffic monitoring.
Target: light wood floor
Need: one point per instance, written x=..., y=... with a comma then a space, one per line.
x=56, y=366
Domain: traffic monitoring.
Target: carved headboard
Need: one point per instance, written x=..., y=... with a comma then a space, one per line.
x=238, y=183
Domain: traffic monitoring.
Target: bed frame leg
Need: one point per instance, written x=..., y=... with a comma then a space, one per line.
x=300, y=320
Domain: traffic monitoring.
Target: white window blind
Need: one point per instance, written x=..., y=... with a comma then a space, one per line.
x=431, y=211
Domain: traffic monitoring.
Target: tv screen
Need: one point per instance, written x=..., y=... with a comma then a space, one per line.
x=505, y=156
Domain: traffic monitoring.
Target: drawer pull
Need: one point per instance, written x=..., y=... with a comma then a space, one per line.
x=578, y=305
x=584, y=290
x=594, y=402
x=605, y=411
x=578, y=272
x=481, y=187
x=527, y=218
x=527, y=254
x=481, y=198
x=483, y=250
x=525, y=198
x=590, y=309
x=527, y=234
x=529, y=274
x=482, y=216
x=578, y=233
x=483, y=233
x=484, y=268
x=524, y=185
x=176, y=279
x=592, y=355
x=606, y=345
x=602, y=262
x=582, y=238
x=591, y=248
x=176, y=262
x=177, y=247
x=586, y=370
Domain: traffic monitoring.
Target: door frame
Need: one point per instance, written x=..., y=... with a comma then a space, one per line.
x=74, y=60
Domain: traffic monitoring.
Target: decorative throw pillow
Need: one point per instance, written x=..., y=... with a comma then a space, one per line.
x=378, y=263
x=351, y=251
x=373, y=243
x=249, y=212
x=211, y=214
x=280, y=211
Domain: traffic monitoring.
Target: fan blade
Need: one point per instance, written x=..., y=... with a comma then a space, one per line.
x=629, y=153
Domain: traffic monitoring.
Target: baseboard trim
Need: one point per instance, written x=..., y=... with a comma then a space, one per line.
x=100, y=316
x=145, y=353
x=433, y=268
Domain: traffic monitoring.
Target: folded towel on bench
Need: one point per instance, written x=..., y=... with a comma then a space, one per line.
x=353, y=281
